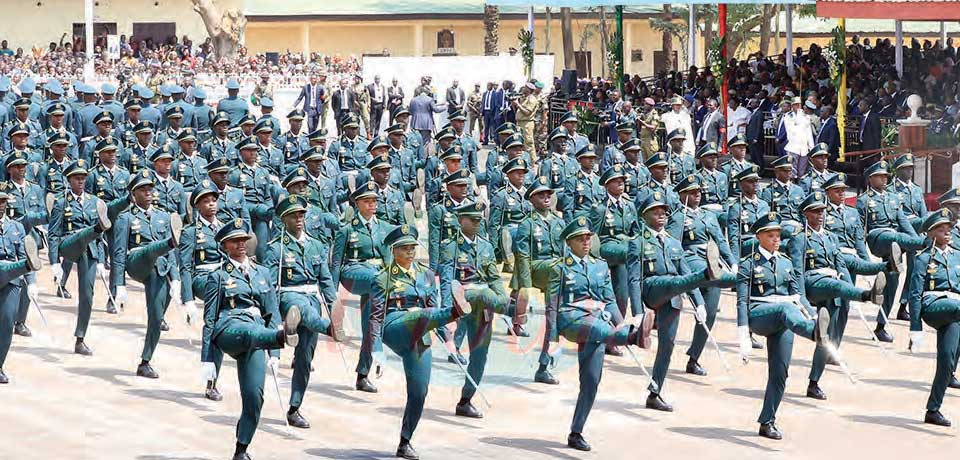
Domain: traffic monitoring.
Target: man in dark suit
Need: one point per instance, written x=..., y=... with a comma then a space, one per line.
x=455, y=95
x=343, y=101
x=490, y=106
x=378, y=100
x=394, y=98
x=869, y=128
x=829, y=132
x=754, y=132
x=313, y=96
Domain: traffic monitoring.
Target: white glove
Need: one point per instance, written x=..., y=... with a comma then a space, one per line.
x=700, y=314
x=916, y=341
x=735, y=268
x=175, y=290
x=101, y=270
x=274, y=364
x=746, y=346
x=208, y=372
x=57, y=272
x=33, y=290
x=192, y=313
x=121, y=297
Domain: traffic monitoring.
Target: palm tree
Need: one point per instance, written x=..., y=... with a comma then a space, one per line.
x=491, y=29
x=566, y=29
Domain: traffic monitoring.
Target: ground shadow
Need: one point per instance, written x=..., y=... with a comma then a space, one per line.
x=187, y=399
x=722, y=434
x=553, y=449
x=103, y=373
x=896, y=422
x=348, y=454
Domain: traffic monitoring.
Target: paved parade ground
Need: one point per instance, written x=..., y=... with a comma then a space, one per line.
x=62, y=405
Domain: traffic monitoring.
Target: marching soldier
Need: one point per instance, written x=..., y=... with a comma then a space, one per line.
x=614, y=220
x=254, y=181
x=784, y=197
x=77, y=221
x=108, y=182
x=142, y=243
x=138, y=157
x=350, y=149
x=537, y=245
x=636, y=173
x=104, y=125
x=405, y=309
x=441, y=223
x=815, y=253
x=412, y=139
x=321, y=188
x=433, y=164
x=770, y=302
x=325, y=163
x=935, y=299
x=391, y=199
x=294, y=141
x=271, y=157
x=199, y=255
x=299, y=263
x=582, y=308
x=468, y=263
x=18, y=135
x=378, y=147
x=696, y=228
x=510, y=148
x=319, y=223
x=242, y=130
x=911, y=197
x=466, y=141
x=21, y=123
x=613, y=153
x=744, y=211
x=844, y=222
x=231, y=203
x=738, y=162
x=507, y=209
x=218, y=146
x=240, y=318
x=358, y=255
x=125, y=131
x=25, y=205
x=235, y=107
x=189, y=168
x=50, y=174
x=583, y=190
x=203, y=115
x=657, y=167
x=404, y=160
x=18, y=259
x=557, y=166
x=813, y=180
x=55, y=117
x=169, y=195
x=714, y=184
x=886, y=223
x=659, y=275
x=168, y=136
x=266, y=114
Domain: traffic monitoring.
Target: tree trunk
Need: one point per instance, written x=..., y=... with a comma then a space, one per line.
x=491, y=28
x=707, y=39
x=734, y=40
x=566, y=29
x=603, y=41
x=546, y=33
x=667, y=39
x=765, y=30
x=224, y=28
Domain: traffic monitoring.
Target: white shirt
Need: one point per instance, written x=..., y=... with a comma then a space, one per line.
x=767, y=254
x=244, y=266
x=343, y=100
x=737, y=121
x=799, y=133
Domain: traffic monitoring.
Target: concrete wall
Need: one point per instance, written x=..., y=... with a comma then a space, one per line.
x=28, y=24
x=419, y=38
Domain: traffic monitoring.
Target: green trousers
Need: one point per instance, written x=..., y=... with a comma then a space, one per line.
x=358, y=279
x=141, y=260
x=86, y=277
x=838, y=324
x=880, y=240
x=9, y=302
x=244, y=339
x=944, y=316
x=312, y=323
x=658, y=290
x=157, y=290
x=406, y=332
x=711, y=303
x=479, y=330
x=858, y=266
x=615, y=253
x=668, y=319
x=199, y=285
x=822, y=288
x=777, y=322
x=593, y=332
x=11, y=272
x=117, y=206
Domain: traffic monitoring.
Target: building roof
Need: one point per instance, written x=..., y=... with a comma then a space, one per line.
x=424, y=8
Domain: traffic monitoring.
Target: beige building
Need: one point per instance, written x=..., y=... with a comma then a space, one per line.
x=38, y=22
x=427, y=28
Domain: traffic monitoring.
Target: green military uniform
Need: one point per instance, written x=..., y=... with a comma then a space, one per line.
x=735, y=165
x=582, y=190
x=351, y=153
x=784, y=199
x=614, y=219
x=613, y=153
x=358, y=254
x=168, y=193
x=714, y=186
x=557, y=166
x=301, y=266
x=507, y=209
x=844, y=222
x=235, y=107
x=109, y=185
x=886, y=224
x=137, y=156
x=442, y=224
x=18, y=258
x=25, y=204
x=636, y=172
x=405, y=308
x=142, y=242
x=472, y=264
x=254, y=180
x=582, y=309
x=769, y=299
x=189, y=169
x=911, y=195
x=240, y=318
x=231, y=203
x=648, y=137
x=814, y=179
x=695, y=228
x=658, y=275
x=667, y=194
x=76, y=223
x=934, y=295
x=271, y=156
